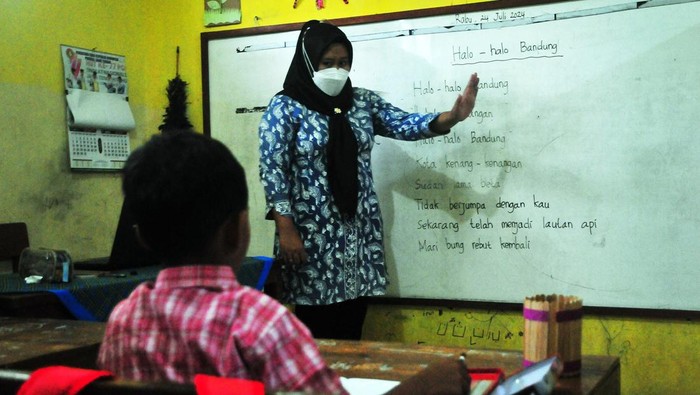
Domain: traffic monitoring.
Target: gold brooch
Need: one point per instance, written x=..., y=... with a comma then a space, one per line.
x=337, y=110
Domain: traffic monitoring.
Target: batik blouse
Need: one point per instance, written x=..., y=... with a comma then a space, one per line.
x=345, y=256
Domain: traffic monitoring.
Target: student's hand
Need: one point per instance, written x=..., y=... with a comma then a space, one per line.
x=291, y=247
x=461, y=109
x=445, y=377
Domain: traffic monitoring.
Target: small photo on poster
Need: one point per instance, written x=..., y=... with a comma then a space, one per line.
x=94, y=71
x=222, y=12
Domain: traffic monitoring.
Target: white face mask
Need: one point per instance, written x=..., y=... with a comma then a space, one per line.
x=331, y=81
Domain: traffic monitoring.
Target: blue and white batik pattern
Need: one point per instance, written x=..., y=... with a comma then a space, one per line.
x=346, y=257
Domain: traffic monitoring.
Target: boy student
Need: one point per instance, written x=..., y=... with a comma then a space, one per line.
x=189, y=198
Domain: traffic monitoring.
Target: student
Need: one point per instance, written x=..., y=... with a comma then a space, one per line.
x=316, y=138
x=189, y=199
x=109, y=84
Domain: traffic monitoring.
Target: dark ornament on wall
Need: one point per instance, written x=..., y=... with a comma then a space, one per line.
x=175, y=117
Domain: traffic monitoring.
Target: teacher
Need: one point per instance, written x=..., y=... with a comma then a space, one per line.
x=316, y=138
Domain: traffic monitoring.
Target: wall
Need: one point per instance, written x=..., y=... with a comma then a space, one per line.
x=64, y=209
x=78, y=211
x=38, y=186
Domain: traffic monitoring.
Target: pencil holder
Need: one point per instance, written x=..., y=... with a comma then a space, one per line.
x=553, y=327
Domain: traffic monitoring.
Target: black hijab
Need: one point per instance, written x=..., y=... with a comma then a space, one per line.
x=341, y=150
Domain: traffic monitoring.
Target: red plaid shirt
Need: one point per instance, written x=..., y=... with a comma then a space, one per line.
x=199, y=319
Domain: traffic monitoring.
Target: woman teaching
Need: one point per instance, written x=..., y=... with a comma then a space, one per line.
x=316, y=138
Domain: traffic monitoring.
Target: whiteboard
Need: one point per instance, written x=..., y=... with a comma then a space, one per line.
x=576, y=174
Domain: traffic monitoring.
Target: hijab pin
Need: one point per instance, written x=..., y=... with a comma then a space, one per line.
x=337, y=110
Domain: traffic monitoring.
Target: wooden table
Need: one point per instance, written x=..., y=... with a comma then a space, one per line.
x=396, y=361
x=30, y=343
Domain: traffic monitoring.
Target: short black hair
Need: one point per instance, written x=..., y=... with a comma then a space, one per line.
x=181, y=186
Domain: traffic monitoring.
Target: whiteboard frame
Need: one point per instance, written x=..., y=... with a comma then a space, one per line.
x=208, y=37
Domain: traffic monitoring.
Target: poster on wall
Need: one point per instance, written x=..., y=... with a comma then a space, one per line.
x=222, y=12
x=98, y=115
x=94, y=71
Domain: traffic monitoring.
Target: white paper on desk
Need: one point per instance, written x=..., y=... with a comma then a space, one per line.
x=361, y=386
x=99, y=110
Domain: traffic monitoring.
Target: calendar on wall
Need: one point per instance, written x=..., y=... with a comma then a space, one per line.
x=100, y=149
x=98, y=115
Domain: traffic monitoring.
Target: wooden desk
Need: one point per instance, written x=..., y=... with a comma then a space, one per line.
x=396, y=361
x=32, y=343
x=28, y=344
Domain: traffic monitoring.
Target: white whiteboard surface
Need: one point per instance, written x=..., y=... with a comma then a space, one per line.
x=585, y=131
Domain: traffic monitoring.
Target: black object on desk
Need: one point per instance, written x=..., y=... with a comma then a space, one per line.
x=126, y=252
x=13, y=239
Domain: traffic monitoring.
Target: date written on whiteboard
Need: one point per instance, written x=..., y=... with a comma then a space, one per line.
x=497, y=16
